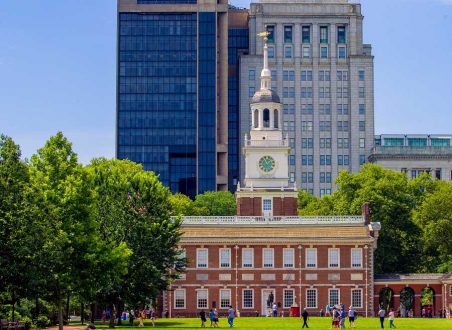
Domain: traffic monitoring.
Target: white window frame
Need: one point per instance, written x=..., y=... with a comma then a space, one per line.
x=197, y=257
x=252, y=257
x=220, y=257
x=285, y=305
x=316, y=298
x=327, y=51
x=228, y=299
x=243, y=298
x=184, y=298
x=353, y=265
x=338, y=257
x=361, y=296
x=339, y=50
x=272, y=52
x=263, y=257
x=308, y=52
x=338, y=296
x=292, y=256
x=197, y=298
x=315, y=257
x=286, y=47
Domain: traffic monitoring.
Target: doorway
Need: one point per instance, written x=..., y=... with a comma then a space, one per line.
x=267, y=207
x=268, y=298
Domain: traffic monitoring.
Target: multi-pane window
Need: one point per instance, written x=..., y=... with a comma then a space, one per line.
x=289, y=109
x=306, y=75
x=311, y=298
x=342, y=75
x=252, y=74
x=225, y=298
x=342, y=92
x=323, y=51
x=289, y=258
x=362, y=75
x=306, y=92
x=292, y=160
x=271, y=52
x=247, y=299
x=362, y=92
x=271, y=34
x=343, y=160
x=288, y=33
x=247, y=257
x=307, y=143
x=357, y=258
x=324, y=92
x=357, y=298
x=274, y=74
x=325, y=109
x=287, y=51
x=307, y=109
x=362, y=109
x=341, y=35
x=325, y=126
x=362, y=142
x=306, y=34
x=307, y=177
x=306, y=126
x=267, y=257
x=324, y=75
x=342, y=125
x=306, y=52
x=324, y=192
x=325, y=177
x=307, y=160
x=362, y=159
x=325, y=143
x=251, y=91
x=334, y=297
x=333, y=258
x=341, y=52
x=325, y=159
x=267, y=204
x=179, y=298
x=292, y=142
x=292, y=176
x=311, y=258
x=202, y=298
x=288, y=75
x=225, y=258
x=343, y=143
x=342, y=109
x=289, y=125
x=362, y=125
x=288, y=298
x=202, y=256
x=288, y=91
x=324, y=34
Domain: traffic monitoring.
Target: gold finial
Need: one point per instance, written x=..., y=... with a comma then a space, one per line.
x=264, y=34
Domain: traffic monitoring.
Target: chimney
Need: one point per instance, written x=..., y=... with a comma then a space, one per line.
x=366, y=213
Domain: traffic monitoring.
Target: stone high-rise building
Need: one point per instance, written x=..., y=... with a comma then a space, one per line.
x=324, y=75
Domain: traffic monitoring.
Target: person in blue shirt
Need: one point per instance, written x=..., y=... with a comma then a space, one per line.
x=342, y=319
x=351, y=316
x=231, y=315
x=212, y=317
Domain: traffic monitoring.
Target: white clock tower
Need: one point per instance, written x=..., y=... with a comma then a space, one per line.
x=266, y=153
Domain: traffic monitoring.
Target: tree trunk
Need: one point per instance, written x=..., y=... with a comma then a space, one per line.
x=37, y=307
x=82, y=313
x=14, y=306
x=93, y=310
x=67, y=308
x=112, y=316
x=60, y=308
x=120, y=309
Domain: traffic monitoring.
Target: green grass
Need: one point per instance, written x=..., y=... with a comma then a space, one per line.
x=292, y=323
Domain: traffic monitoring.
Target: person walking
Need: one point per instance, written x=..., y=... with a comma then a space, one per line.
x=231, y=315
x=131, y=317
x=275, y=310
x=215, y=318
x=342, y=321
x=391, y=319
x=351, y=317
x=328, y=310
x=305, y=317
x=152, y=315
x=211, y=317
x=382, y=314
x=202, y=314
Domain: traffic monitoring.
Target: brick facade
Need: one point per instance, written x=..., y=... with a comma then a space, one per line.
x=252, y=206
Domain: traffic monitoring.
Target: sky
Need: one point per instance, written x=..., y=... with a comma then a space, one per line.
x=58, y=70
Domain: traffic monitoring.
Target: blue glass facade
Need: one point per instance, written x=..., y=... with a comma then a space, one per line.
x=207, y=102
x=157, y=95
x=237, y=42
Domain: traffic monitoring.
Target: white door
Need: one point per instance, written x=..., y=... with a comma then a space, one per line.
x=268, y=298
x=267, y=207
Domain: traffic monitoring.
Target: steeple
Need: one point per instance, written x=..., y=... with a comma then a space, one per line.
x=266, y=76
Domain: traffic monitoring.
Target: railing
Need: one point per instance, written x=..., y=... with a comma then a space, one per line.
x=267, y=143
x=235, y=220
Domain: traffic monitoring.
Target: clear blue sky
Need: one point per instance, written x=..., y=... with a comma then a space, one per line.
x=57, y=69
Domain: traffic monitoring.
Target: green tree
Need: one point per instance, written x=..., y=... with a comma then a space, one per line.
x=133, y=207
x=215, y=203
x=14, y=249
x=181, y=205
x=71, y=249
x=434, y=218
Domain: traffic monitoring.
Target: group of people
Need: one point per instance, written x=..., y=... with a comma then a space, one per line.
x=337, y=314
x=214, y=317
x=391, y=317
x=141, y=315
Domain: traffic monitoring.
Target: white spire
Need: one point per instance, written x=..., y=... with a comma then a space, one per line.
x=266, y=76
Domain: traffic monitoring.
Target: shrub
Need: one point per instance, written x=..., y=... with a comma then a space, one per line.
x=42, y=321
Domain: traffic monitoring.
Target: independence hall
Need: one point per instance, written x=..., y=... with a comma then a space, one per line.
x=267, y=254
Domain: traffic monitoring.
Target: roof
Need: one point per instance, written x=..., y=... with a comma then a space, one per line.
x=265, y=95
x=412, y=277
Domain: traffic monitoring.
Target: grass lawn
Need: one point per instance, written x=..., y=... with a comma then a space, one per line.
x=293, y=323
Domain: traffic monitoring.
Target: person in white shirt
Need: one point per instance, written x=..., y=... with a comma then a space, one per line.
x=391, y=319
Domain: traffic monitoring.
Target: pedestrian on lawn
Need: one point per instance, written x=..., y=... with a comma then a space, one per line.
x=305, y=317
x=382, y=314
x=211, y=317
x=391, y=319
x=351, y=317
x=342, y=320
x=231, y=315
x=202, y=314
x=328, y=310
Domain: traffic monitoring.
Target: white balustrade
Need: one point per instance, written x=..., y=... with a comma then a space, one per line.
x=283, y=220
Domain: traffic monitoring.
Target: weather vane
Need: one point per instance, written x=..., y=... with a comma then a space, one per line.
x=265, y=35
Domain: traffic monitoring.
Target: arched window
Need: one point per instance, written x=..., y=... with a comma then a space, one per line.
x=256, y=118
x=276, y=119
x=266, y=118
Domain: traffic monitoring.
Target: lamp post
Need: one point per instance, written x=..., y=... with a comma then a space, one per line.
x=367, y=297
x=236, y=276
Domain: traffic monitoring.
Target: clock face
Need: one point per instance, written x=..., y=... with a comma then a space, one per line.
x=266, y=164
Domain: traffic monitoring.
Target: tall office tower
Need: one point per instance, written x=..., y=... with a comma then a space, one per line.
x=237, y=45
x=172, y=91
x=324, y=75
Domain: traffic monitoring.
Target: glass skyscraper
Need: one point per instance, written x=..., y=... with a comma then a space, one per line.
x=170, y=95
